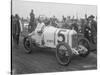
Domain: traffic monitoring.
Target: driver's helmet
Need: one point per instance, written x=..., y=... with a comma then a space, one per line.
x=41, y=18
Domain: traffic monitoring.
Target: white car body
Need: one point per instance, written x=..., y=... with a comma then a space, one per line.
x=64, y=40
x=51, y=37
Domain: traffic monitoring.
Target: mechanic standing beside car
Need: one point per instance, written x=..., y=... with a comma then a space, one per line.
x=92, y=25
x=16, y=30
x=32, y=21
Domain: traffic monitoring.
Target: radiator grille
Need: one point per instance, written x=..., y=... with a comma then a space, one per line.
x=74, y=40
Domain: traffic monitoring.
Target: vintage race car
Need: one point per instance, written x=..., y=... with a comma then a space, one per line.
x=65, y=42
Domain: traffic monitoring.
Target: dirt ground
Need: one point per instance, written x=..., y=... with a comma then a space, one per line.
x=44, y=60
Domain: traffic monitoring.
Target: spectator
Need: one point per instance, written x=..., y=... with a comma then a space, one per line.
x=74, y=26
x=32, y=17
x=53, y=21
x=32, y=21
x=91, y=26
x=63, y=18
x=16, y=29
x=92, y=23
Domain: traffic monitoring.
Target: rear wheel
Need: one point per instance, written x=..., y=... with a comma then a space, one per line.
x=27, y=45
x=63, y=53
x=94, y=39
x=84, y=47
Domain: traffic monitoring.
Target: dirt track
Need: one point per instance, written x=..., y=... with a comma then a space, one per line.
x=45, y=61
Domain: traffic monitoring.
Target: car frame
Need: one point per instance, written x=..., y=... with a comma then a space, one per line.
x=65, y=42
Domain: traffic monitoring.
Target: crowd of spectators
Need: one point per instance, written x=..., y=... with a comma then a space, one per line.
x=67, y=23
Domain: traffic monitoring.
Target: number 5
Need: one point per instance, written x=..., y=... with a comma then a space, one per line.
x=61, y=35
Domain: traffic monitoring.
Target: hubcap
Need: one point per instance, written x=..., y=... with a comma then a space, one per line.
x=63, y=54
x=62, y=50
x=83, y=47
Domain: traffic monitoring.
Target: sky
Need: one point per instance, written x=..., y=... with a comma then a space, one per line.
x=23, y=8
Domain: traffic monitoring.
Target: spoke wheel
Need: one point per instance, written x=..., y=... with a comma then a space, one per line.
x=84, y=44
x=27, y=45
x=63, y=54
x=94, y=39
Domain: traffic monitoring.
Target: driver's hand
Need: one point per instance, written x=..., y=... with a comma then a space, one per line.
x=39, y=31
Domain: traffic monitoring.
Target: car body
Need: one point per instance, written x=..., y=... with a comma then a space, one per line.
x=64, y=41
x=52, y=36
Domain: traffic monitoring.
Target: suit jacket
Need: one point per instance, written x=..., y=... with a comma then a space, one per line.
x=15, y=27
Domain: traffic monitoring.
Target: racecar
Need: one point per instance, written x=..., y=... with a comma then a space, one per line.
x=65, y=42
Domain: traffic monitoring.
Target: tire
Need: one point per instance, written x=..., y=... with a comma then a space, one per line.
x=27, y=45
x=84, y=43
x=63, y=59
x=94, y=39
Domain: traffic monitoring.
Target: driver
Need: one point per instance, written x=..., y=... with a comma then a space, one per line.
x=39, y=30
x=40, y=25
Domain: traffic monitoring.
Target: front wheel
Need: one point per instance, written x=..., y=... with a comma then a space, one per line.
x=63, y=53
x=94, y=39
x=84, y=48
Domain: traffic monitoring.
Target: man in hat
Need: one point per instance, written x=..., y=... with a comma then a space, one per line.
x=32, y=19
x=92, y=25
x=16, y=29
x=32, y=16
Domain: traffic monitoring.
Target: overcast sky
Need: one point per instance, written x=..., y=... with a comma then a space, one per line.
x=23, y=8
